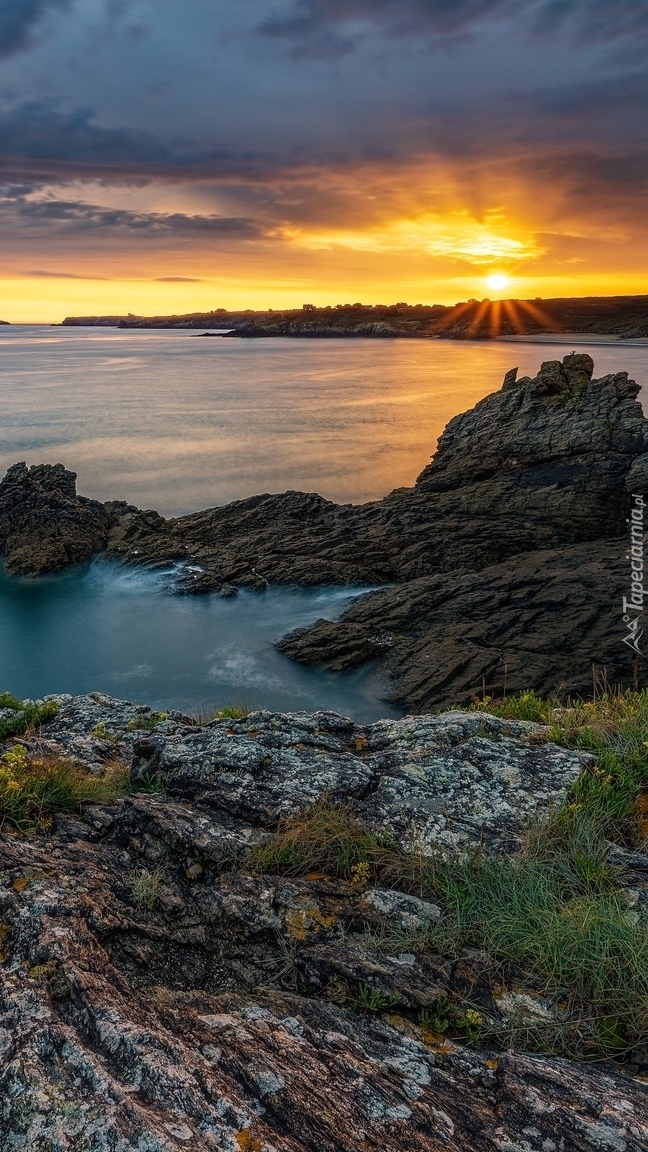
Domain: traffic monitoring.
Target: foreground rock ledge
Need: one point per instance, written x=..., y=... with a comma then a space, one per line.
x=218, y=1019
x=508, y=554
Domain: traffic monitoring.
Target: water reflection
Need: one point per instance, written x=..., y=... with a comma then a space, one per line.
x=174, y=423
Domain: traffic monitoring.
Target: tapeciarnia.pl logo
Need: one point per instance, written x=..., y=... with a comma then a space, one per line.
x=633, y=605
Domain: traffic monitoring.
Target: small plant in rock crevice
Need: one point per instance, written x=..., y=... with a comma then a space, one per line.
x=100, y=732
x=369, y=999
x=26, y=715
x=146, y=722
x=145, y=887
x=32, y=788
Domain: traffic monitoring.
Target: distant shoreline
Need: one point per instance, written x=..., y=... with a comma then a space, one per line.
x=605, y=318
x=575, y=337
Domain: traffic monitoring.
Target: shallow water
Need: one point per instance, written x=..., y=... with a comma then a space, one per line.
x=115, y=629
x=176, y=423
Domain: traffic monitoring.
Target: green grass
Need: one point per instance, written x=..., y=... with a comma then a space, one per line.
x=614, y=728
x=145, y=887
x=26, y=716
x=33, y=788
x=327, y=838
x=554, y=918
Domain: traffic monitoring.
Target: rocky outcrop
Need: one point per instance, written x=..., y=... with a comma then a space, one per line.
x=500, y=517
x=44, y=525
x=541, y=464
x=222, y=1012
x=544, y=619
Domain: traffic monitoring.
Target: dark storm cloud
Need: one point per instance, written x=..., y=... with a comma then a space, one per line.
x=595, y=19
x=42, y=139
x=70, y=217
x=320, y=27
x=40, y=130
x=18, y=19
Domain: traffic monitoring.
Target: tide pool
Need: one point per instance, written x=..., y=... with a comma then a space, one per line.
x=117, y=629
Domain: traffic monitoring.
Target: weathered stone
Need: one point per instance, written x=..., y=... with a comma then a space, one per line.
x=44, y=525
x=455, y=780
x=545, y=620
x=228, y=1014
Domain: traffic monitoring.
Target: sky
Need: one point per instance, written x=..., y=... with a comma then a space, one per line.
x=163, y=156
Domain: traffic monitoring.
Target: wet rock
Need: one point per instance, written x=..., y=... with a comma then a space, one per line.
x=542, y=620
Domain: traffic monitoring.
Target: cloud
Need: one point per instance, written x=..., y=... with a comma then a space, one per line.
x=71, y=217
x=178, y=280
x=44, y=273
x=45, y=140
x=17, y=21
x=337, y=27
x=595, y=19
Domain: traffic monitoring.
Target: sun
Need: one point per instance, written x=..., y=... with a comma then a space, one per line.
x=498, y=281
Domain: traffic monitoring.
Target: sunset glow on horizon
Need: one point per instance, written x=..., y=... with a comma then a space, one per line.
x=264, y=155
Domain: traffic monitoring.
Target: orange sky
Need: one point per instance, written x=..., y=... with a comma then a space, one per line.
x=203, y=155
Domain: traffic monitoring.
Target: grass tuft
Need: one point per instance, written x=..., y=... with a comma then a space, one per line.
x=327, y=838
x=145, y=887
x=26, y=716
x=32, y=788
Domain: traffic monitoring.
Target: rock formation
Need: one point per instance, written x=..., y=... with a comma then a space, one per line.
x=44, y=525
x=221, y=1013
x=508, y=553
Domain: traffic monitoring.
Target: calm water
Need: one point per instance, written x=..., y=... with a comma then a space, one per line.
x=118, y=630
x=176, y=423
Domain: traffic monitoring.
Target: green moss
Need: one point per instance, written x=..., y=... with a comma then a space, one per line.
x=146, y=722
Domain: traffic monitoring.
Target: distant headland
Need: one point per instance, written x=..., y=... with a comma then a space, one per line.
x=617, y=317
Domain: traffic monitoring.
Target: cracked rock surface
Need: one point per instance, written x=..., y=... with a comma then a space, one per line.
x=222, y=1016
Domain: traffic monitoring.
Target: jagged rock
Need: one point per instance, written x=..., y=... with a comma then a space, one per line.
x=540, y=464
x=544, y=620
x=44, y=525
x=222, y=1016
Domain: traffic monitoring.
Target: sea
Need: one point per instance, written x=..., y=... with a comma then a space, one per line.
x=175, y=421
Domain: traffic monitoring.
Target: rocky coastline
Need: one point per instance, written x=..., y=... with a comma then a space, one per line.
x=505, y=563
x=162, y=987
x=294, y=933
